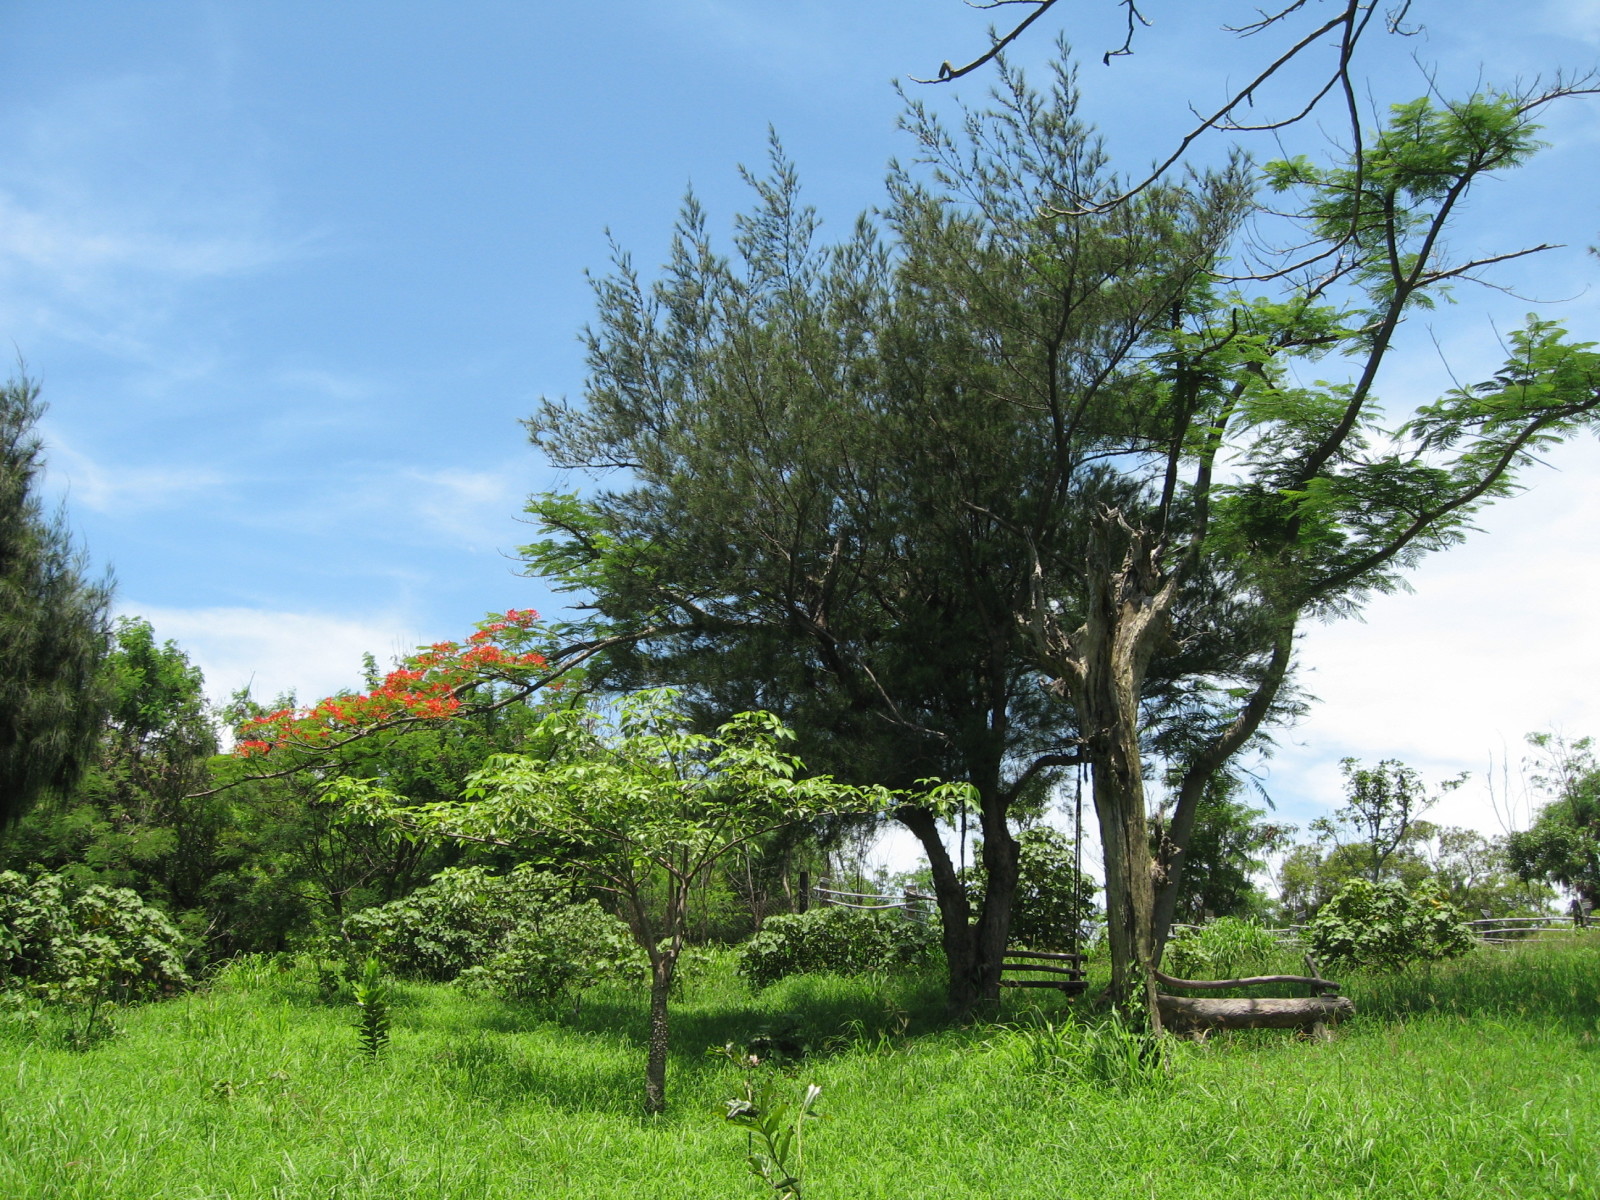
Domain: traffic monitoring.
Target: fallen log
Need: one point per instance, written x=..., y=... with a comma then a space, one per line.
x=1186, y=1014
x=1315, y=981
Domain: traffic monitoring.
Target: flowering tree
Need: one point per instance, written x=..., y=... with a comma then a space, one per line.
x=508, y=658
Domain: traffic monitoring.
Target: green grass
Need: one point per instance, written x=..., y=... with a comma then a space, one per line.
x=1480, y=1078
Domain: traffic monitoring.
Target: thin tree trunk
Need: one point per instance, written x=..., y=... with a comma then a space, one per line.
x=655, y=1068
x=1206, y=764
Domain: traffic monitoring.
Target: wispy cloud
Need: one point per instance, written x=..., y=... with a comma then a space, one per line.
x=126, y=488
x=1578, y=19
x=106, y=224
x=273, y=652
x=463, y=504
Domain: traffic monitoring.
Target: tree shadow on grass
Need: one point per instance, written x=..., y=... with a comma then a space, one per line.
x=503, y=1072
x=591, y=1058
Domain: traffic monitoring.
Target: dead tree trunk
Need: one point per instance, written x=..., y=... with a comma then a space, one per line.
x=1185, y=1014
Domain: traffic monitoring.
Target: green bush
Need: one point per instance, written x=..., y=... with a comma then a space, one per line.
x=1051, y=896
x=1382, y=925
x=1227, y=948
x=842, y=941
x=518, y=935
x=568, y=946
x=66, y=945
x=458, y=920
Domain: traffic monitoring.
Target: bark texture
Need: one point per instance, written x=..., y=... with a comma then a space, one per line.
x=1185, y=1014
x=655, y=1067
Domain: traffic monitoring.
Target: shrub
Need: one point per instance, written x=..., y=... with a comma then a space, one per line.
x=456, y=921
x=84, y=946
x=843, y=941
x=1382, y=925
x=1227, y=948
x=1051, y=895
x=568, y=946
x=517, y=935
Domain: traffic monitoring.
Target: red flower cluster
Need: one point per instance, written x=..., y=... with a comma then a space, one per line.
x=427, y=686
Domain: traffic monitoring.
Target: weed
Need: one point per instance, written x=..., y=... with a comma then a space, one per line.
x=778, y=1121
x=1109, y=1052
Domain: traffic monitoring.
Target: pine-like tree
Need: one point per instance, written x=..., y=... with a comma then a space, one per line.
x=53, y=625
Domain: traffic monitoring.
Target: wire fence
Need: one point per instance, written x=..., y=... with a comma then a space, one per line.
x=913, y=905
x=1492, y=931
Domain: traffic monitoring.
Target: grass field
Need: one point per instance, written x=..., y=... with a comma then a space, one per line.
x=1480, y=1078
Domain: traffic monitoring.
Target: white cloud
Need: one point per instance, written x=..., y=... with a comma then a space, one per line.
x=272, y=652
x=1497, y=640
x=462, y=504
x=108, y=222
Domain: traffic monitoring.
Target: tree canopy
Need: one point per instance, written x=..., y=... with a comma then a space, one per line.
x=53, y=625
x=1009, y=480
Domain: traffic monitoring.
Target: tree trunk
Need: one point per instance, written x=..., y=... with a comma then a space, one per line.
x=1205, y=765
x=655, y=1067
x=955, y=912
x=1126, y=616
x=999, y=892
x=1130, y=889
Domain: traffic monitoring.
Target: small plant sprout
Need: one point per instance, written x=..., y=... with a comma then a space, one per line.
x=372, y=998
x=779, y=1122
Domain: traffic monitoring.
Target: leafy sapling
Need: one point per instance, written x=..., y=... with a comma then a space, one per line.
x=372, y=998
x=778, y=1122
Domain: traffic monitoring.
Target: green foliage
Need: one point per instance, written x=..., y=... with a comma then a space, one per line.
x=1382, y=925
x=372, y=998
x=643, y=807
x=456, y=921
x=564, y=948
x=82, y=949
x=1563, y=844
x=1227, y=848
x=53, y=626
x=519, y=935
x=1386, y=208
x=902, y=474
x=1227, y=948
x=778, y=1121
x=1052, y=899
x=1382, y=804
x=842, y=941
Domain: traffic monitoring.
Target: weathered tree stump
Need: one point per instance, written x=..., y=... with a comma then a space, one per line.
x=1184, y=1014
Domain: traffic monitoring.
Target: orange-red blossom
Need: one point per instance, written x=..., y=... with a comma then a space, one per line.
x=428, y=685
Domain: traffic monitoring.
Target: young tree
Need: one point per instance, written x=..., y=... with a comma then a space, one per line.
x=645, y=810
x=53, y=626
x=1563, y=844
x=1382, y=805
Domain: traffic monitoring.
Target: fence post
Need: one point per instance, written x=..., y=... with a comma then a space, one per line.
x=805, y=891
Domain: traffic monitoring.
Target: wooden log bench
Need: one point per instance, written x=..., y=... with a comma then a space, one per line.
x=1198, y=1015
x=1064, y=971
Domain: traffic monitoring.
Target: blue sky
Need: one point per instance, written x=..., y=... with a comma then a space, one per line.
x=290, y=273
